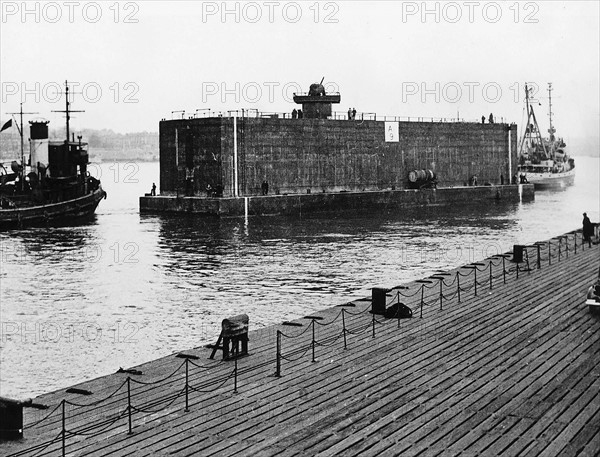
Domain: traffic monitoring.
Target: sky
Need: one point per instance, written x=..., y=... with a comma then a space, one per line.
x=132, y=64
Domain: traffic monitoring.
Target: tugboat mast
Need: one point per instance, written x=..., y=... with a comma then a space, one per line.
x=67, y=111
x=20, y=129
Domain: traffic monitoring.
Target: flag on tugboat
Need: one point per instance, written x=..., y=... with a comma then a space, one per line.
x=7, y=125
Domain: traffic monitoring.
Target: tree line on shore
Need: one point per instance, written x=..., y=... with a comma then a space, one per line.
x=103, y=144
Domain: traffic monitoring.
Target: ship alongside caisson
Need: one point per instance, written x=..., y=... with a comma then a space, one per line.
x=544, y=162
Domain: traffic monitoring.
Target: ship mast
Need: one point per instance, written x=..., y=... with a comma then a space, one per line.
x=528, y=133
x=20, y=129
x=551, y=130
x=67, y=111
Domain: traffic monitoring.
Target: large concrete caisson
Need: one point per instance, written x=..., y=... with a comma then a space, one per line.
x=297, y=156
x=282, y=164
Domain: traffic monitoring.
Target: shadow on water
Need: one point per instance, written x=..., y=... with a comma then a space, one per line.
x=185, y=233
x=271, y=256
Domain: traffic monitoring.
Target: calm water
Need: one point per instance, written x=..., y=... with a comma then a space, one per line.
x=79, y=302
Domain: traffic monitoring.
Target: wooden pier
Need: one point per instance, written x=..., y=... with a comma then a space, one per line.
x=495, y=361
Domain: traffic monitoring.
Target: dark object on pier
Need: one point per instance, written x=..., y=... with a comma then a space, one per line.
x=518, y=253
x=378, y=300
x=11, y=419
x=379, y=305
x=398, y=311
x=181, y=355
x=75, y=390
x=234, y=331
x=128, y=371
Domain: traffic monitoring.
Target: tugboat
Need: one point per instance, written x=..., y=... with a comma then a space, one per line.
x=544, y=162
x=54, y=186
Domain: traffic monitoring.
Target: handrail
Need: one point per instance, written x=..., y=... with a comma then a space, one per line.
x=335, y=115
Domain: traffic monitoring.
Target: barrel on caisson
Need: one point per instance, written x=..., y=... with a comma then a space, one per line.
x=419, y=179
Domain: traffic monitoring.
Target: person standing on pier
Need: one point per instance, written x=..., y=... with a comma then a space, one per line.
x=588, y=230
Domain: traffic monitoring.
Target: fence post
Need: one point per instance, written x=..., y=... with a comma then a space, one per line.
x=313, y=340
x=187, y=406
x=527, y=257
x=235, y=373
x=64, y=429
x=129, y=403
x=504, y=269
x=567, y=245
x=458, y=287
x=539, y=249
x=475, y=275
x=549, y=252
x=344, y=327
x=278, y=364
x=398, y=310
x=491, y=287
x=422, y=297
x=559, y=245
x=441, y=293
x=373, y=321
x=575, y=241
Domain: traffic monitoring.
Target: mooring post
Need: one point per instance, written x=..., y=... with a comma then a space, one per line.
x=129, y=403
x=187, y=406
x=64, y=429
x=278, y=364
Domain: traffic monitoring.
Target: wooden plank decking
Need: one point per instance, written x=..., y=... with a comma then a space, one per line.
x=513, y=370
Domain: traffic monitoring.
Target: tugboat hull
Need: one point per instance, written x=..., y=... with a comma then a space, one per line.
x=76, y=208
x=547, y=181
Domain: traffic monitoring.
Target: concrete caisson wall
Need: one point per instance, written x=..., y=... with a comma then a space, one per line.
x=298, y=204
x=298, y=156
